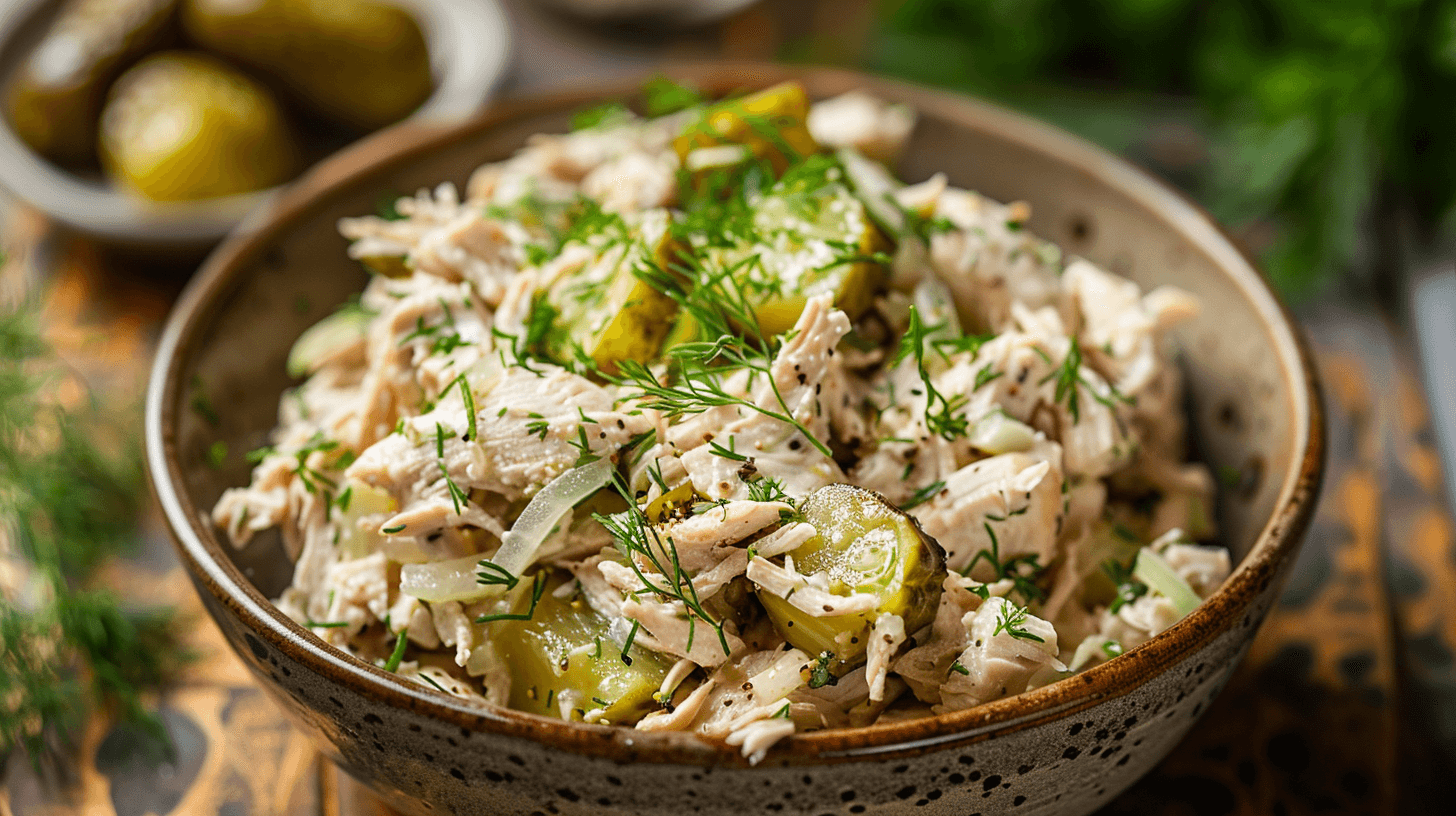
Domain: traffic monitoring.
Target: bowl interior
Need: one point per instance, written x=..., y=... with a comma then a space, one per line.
x=1250, y=399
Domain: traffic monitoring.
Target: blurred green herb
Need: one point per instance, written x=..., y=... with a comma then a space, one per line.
x=68, y=504
x=1320, y=116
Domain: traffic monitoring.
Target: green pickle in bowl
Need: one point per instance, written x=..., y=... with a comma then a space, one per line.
x=360, y=63
x=182, y=126
x=55, y=95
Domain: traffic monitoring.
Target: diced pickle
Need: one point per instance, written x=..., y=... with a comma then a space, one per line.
x=866, y=545
x=567, y=648
x=390, y=266
x=55, y=95
x=604, y=308
x=327, y=339
x=770, y=123
x=358, y=517
x=810, y=236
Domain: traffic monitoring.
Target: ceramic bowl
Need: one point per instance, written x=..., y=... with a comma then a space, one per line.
x=469, y=45
x=1063, y=749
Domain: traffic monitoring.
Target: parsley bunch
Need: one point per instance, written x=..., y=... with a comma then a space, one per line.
x=67, y=505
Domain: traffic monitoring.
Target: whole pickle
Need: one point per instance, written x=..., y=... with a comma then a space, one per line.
x=360, y=63
x=181, y=126
x=55, y=95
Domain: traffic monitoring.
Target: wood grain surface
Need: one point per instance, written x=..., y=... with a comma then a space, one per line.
x=1345, y=704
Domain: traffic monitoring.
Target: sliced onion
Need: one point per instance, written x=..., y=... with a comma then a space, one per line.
x=452, y=580
x=1153, y=570
x=520, y=543
x=455, y=579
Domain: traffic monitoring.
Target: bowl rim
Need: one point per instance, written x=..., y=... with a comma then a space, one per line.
x=469, y=48
x=1276, y=544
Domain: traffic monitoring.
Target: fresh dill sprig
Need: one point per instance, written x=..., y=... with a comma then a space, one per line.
x=1070, y=381
x=1022, y=570
x=492, y=574
x=538, y=588
x=1012, y=620
x=1129, y=589
x=922, y=495
x=69, y=505
x=942, y=414
x=584, y=454
x=696, y=391
x=636, y=537
x=768, y=489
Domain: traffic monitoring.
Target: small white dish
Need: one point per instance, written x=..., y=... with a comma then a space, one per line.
x=469, y=43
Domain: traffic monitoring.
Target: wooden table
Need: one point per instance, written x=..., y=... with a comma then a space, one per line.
x=1345, y=704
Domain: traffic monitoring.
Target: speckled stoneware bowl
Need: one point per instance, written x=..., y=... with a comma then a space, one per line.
x=1063, y=749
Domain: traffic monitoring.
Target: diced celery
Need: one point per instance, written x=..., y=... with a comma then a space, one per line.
x=1160, y=577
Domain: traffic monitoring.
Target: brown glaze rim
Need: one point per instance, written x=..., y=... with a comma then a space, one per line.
x=204, y=555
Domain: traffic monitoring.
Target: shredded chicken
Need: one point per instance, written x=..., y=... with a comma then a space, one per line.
x=582, y=444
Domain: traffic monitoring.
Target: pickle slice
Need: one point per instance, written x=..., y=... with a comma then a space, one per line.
x=770, y=123
x=866, y=545
x=568, y=648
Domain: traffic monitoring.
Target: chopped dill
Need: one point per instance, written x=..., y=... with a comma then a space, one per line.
x=538, y=587
x=457, y=496
x=1012, y=620
x=922, y=495
x=493, y=574
x=627, y=644
x=819, y=671
x=400, y=644
x=1129, y=589
x=1022, y=570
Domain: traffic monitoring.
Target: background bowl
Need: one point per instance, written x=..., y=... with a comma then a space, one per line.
x=1064, y=749
x=469, y=45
